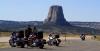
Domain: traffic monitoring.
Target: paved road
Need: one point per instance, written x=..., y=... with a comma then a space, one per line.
x=6, y=39
x=69, y=45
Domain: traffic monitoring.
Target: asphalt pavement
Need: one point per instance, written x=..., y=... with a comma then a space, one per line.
x=68, y=45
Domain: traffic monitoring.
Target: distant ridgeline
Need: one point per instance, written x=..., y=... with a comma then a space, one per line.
x=90, y=27
x=55, y=22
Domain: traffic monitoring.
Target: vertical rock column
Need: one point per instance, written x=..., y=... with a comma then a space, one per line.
x=56, y=16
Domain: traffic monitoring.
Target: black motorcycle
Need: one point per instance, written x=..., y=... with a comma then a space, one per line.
x=36, y=42
x=82, y=37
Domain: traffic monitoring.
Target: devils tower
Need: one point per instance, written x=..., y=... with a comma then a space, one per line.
x=56, y=16
x=55, y=22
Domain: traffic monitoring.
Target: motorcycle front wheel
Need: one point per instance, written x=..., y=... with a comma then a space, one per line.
x=41, y=46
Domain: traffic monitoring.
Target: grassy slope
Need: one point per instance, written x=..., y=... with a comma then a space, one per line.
x=98, y=37
x=4, y=45
x=5, y=34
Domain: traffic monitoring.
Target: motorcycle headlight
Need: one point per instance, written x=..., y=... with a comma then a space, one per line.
x=34, y=44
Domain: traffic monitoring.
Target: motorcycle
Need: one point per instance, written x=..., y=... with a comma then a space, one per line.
x=82, y=37
x=54, y=41
x=12, y=42
x=35, y=42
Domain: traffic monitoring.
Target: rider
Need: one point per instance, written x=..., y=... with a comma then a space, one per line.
x=13, y=36
x=35, y=30
x=82, y=35
x=20, y=39
x=28, y=31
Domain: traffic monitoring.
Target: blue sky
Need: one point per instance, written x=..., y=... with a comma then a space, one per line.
x=37, y=10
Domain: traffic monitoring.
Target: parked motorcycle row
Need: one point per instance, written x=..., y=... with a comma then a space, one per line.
x=33, y=38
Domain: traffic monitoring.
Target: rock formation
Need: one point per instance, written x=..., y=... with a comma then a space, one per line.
x=56, y=16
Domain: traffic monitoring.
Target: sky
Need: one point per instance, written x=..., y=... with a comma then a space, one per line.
x=37, y=10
